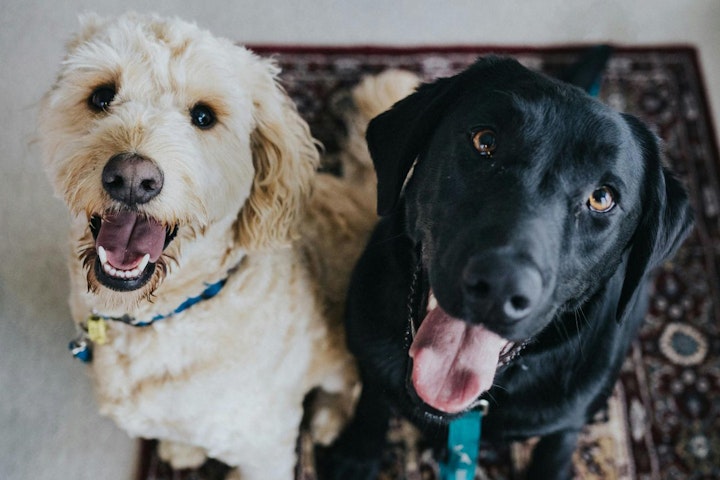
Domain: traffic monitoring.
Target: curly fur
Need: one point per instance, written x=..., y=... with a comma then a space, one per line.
x=227, y=377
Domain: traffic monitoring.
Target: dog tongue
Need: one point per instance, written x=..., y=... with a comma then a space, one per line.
x=127, y=237
x=453, y=362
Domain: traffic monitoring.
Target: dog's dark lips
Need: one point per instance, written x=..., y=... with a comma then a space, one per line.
x=135, y=278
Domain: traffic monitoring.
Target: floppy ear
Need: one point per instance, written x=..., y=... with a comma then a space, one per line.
x=395, y=138
x=285, y=158
x=665, y=220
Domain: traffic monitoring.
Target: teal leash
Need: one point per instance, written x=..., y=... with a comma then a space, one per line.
x=463, y=445
x=463, y=441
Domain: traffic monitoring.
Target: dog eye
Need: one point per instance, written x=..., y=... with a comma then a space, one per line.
x=601, y=200
x=484, y=142
x=101, y=98
x=202, y=116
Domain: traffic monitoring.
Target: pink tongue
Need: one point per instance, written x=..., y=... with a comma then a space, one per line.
x=453, y=362
x=127, y=237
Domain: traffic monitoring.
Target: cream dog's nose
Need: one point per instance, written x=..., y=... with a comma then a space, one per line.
x=132, y=179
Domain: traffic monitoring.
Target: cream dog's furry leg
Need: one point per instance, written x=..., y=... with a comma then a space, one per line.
x=331, y=411
x=181, y=455
x=273, y=463
x=234, y=474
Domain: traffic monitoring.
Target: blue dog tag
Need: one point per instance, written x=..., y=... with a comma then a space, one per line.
x=81, y=350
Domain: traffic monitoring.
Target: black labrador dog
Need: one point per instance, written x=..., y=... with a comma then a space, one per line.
x=521, y=219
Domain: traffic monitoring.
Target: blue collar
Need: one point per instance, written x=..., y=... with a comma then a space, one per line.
x=94, y=329
x=207, y=294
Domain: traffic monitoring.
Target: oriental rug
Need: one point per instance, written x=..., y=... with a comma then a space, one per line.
x=663, y=421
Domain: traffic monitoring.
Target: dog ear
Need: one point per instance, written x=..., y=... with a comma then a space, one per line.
x=396, y=137
x=665, y=221
x=285, y=158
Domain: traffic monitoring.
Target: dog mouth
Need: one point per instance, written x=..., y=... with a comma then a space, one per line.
x=128, y=245
x=452, y=363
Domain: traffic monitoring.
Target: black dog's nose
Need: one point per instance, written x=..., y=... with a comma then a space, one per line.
x=132, y=179
x=502, y=287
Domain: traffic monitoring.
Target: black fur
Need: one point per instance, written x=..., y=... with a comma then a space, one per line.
x=524, y=207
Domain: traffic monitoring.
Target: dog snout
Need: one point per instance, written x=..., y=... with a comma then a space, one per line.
x=501, y=289
x=132, y=179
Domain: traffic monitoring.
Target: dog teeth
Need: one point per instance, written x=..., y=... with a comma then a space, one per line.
x=144, y=262
x=118, y=273
x=432, y=302
x=102, y=254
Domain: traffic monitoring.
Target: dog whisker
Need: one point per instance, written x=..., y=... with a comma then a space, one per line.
x=386, y=240
x=490, y=396
x=577, y=312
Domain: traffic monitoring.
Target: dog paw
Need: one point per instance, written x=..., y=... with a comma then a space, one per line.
x=181, y=455
x=326, y=424
x=330, y=412
x=234, y=474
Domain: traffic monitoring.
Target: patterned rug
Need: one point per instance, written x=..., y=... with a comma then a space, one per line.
x=663, y=421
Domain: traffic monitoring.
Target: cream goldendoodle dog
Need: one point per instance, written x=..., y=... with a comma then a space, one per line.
x=209, y=260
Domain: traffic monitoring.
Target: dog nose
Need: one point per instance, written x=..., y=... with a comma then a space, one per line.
x=502, y=287
x=132, y=179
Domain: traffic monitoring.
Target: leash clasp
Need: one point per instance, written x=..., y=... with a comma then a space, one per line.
x=483, y=406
